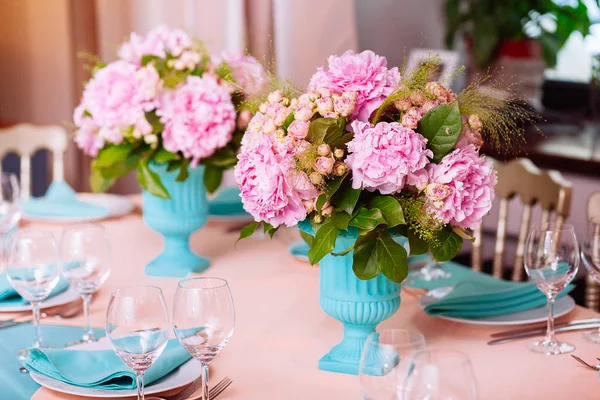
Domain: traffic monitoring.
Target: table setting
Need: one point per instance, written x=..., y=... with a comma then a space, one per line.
x=367, y=183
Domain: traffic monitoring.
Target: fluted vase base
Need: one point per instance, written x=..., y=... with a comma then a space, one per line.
x=176, y=264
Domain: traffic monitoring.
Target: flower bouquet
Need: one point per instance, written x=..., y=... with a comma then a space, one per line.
x=176, y=114
x=365, y=157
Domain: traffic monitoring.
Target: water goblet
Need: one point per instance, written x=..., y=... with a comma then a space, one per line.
x=137, y=326
x=430, y=271
x=203, y=320
x=33, y=269
x=385, y=360
x=10, y=213
x=440, y=374
x=590, y=254
x=86, y=257
x=551, y=262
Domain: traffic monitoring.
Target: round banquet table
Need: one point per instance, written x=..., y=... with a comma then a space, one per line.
x=281, y=332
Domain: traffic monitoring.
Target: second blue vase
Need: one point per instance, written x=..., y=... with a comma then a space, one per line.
x=176, y=219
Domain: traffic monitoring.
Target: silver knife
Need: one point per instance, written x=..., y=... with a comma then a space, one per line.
x=8, y=324
x=569, y=328
x=543, y=327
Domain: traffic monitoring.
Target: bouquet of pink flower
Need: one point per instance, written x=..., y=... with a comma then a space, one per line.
x=369, y=153
x=165, y=100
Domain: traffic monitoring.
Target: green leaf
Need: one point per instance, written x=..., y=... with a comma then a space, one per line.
x=441, y=126
x=224, y=158
x=288, y=121
x=340, y=219
x=183, y=171
x=446, y=245
x=174, y=165
x=364, y=262
x=333, y=134
x=346, y=197
x=416, y=244
x=341, y=142
x=212, y=178
x=324, y=243
x=320, y=202
x=307, y=237
x=248, y=230
x=367, y=219
x=150, y=181
x=99, y=183
x=318, y=129
x=269, y=229
x=112, y=154
x=391, y=258
x=224, y=72
x=344, y=252
x=334, y=184
x=162, y=155
x=390, y=208
x=149, y=58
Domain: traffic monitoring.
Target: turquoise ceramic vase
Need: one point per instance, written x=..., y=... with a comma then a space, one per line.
x=176, y=219
x=359, y=305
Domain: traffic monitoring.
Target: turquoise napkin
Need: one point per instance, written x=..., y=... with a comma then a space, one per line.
x=61, y=201
x=14, y=384
x=299, y=249
x=9, y=296
x=103, y=369
x=226, y=202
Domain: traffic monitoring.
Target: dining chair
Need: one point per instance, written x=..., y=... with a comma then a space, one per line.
x=592, y=289
x=25, y=140
x=521, y=178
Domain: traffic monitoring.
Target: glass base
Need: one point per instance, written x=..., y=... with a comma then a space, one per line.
x=428, y=273
x=550, y=348
x=593, y=336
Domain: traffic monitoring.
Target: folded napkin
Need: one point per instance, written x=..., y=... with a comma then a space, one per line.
x=61, y=201
x=479, y=295
x=9, y=296
x=226, y=202
x=102, y=369
x=299, y=249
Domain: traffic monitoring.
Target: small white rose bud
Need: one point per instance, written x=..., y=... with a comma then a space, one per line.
x=324, y=149
x=338, y=153
x=326, y=211
x=318, y=219
x=316, y=178
x=340, y=168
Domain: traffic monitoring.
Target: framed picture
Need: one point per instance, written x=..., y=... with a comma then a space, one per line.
x=450, y=62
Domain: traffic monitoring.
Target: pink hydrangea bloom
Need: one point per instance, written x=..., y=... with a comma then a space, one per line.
x=247, y=72
x=199, y=118
x=271, y=188
x=386, y=156
x=462, y=188
x=365, y=73
x=157, y=42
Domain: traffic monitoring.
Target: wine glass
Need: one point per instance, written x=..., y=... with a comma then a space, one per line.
x=385, y=360
x=9, y=195
x=440, y=374
x=137, y=325
x=33, y=269
x=590, y=254
x=203, y=320
x=85, y=255
x=551, y=261
x=431, y=271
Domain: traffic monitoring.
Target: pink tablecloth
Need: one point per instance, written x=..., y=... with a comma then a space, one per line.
x=281, y=332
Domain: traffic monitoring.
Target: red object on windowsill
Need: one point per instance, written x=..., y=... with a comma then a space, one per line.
x=523, y=48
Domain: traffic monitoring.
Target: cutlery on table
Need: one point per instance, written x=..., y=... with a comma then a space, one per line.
x=594, y=367
x=68, y=311
x=185, y=393
x=569, y=328
x=542, y=328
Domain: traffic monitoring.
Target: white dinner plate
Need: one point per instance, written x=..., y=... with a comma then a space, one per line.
x=182, y=376
x=117, y=206
x=65, y=297
x=563, y=306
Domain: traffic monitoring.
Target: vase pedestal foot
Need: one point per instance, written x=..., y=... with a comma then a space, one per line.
x=345, y=356
x=176, y=265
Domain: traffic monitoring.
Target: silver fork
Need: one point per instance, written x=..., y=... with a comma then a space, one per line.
x=594, y=367
x=192, y=387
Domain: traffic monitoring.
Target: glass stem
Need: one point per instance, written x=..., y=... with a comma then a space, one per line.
x=36, y=324
x=139, y=380
x=550, y=337
x=88, y=333
x=205, y=395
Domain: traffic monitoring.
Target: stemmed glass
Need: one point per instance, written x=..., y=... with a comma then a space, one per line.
x=203, y=320
x=137, y=325
x=85, y=254
x=33, y=269
x=590, y=254
x=9, y=195
x=440, y=374
x=431, y=271
x=385, y=360
x=551, y=261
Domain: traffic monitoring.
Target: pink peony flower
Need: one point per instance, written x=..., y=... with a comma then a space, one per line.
x=365, y=73
x=247, y=72
x=462, y=188
x=298, y=129
x=199, y=118
x=386, y=156
x=158, y=42
x=88, y=141
x=271, y=188
x=344, y=104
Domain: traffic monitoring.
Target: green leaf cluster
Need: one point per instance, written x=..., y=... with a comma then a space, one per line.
x=441, y=126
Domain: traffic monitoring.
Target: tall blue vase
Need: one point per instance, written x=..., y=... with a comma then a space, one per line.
x=176, y=219
x=359, y=305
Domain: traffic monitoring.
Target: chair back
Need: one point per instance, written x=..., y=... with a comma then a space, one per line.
x=592, y=289
x=521, y=178
x=25, y=140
